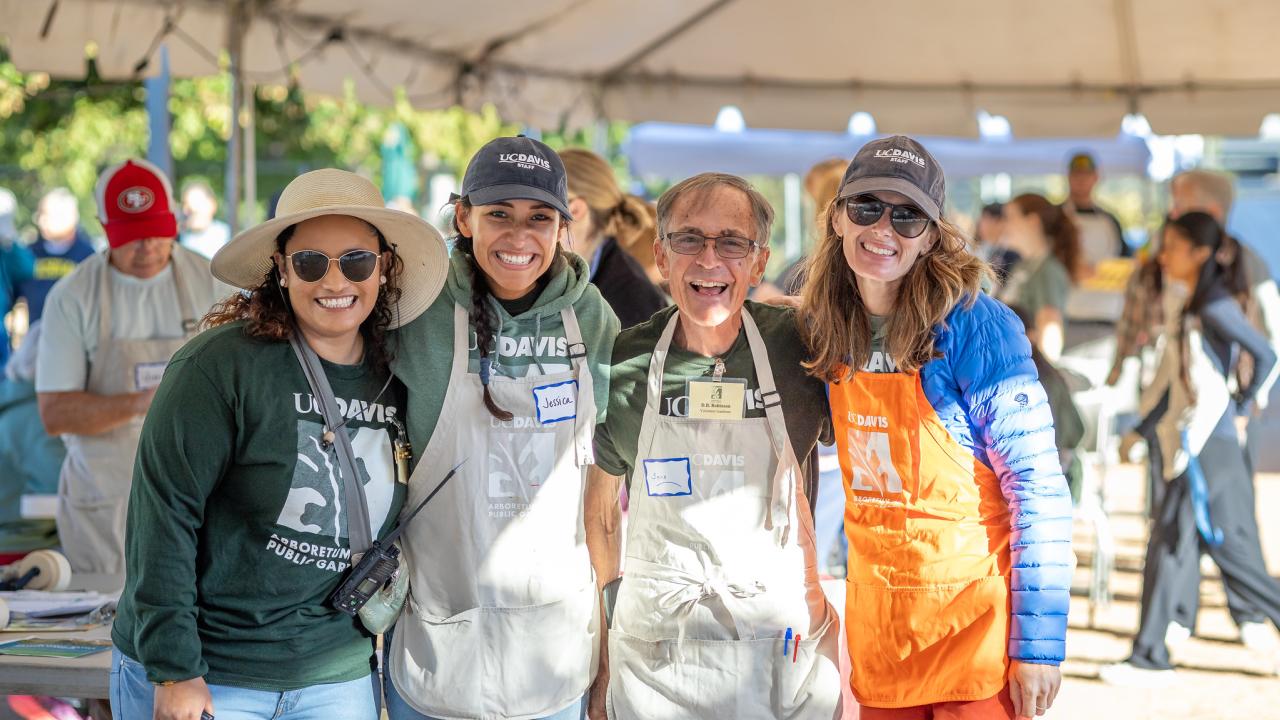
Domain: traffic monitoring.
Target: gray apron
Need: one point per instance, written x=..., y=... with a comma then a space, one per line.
x=502, y=618
x=720, y=563
x=93, y=488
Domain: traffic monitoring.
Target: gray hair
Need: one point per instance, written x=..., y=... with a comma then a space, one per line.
x=61, y=197
x=761, y=210
x=1211, y=187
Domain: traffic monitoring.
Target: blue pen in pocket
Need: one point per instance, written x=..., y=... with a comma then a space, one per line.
x=786, y=643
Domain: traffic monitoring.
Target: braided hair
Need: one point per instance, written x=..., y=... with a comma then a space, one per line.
x=483, y=321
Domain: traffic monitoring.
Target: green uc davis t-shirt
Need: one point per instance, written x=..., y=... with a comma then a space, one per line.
x=804, y=399
x=237, y=517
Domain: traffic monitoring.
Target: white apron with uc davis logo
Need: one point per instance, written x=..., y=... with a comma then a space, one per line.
x=720, y=562
x=502, y=619
x=93, y=489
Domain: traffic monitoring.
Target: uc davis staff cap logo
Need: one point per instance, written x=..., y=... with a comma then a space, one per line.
x=900, y=156
x=136, y=199
x=525, y=161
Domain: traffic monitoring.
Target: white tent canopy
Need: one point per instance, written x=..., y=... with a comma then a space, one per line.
x=918, y=66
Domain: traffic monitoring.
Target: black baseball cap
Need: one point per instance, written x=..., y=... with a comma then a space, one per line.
x=516, y=168
x=901, y=165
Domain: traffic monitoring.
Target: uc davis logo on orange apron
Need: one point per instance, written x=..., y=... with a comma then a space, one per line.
x=928, y=538
x=871, y=461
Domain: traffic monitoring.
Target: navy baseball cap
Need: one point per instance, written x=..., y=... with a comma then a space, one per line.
x=516, y=168
x=900, y=164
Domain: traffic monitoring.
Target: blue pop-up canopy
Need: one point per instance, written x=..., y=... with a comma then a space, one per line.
x=674, y=151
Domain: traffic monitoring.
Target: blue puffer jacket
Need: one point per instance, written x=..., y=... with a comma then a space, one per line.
x=985, y=390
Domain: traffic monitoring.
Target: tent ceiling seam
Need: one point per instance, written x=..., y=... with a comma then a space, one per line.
x=661, y=41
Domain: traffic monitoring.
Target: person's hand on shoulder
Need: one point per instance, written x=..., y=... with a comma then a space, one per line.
x=184, y=700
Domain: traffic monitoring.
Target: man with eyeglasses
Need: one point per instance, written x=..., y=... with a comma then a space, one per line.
x=720, y=614
x=109, y=330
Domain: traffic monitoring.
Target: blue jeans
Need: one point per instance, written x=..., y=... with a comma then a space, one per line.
x=398, y=709
x=132, y=697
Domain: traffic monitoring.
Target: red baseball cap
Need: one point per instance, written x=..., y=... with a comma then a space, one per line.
x=135, y=202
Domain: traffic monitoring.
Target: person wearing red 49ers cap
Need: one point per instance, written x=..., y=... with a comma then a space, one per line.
x=110, y=328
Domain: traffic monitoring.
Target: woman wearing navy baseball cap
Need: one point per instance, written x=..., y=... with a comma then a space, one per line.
x=507, y=375
x=957, y=514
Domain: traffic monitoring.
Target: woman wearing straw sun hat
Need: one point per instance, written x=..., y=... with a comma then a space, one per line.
x=503, y=614
x=239, y=528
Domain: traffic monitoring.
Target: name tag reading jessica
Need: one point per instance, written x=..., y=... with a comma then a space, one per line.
x=722, y=399
x=147, y=375
x=556, y=403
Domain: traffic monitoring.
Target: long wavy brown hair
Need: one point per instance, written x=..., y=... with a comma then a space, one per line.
x=268, y=315
x=836, y=325
x=1059, y=229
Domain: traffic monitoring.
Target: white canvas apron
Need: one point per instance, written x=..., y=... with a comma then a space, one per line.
x=502, y=619
x=93, y=488
x=1098, y=239
x=720, y=562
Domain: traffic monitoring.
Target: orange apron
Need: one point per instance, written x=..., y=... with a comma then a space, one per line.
x=928, y=604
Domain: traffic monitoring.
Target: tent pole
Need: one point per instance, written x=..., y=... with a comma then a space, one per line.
x=158, y=117
x=250, y=117
x=237, y=26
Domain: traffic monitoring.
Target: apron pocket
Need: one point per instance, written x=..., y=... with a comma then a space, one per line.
x=723, y=679
x=91, y=531
x=903, y=642
x=498, y=662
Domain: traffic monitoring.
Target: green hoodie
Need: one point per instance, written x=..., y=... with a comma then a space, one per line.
x=530, y=343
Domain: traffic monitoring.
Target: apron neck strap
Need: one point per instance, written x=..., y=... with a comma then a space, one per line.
x=104, y=302
x=584, y=422
x=658, y=360
x=461, y=341
x=782, y=502
x=189, y=320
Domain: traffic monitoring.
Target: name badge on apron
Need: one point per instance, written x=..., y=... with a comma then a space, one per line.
x=148, y=375
x=723, y=399
x=668, y=477
x=557, y=402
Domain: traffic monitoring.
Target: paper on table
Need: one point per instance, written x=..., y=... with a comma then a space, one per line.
x=38, y=604
x=49, y=647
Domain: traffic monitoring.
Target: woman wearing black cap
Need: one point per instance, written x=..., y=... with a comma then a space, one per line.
x=957, y=514
x=503, y=616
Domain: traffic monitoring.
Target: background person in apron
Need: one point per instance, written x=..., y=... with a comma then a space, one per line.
x=1101, y=236
x=238, y=532
x=957, y=513
x=720, y=614
x=110, y=328
x=1208, y=504
x=505, y=373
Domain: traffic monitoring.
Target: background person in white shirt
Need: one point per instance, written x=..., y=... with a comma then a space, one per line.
x=110, y=328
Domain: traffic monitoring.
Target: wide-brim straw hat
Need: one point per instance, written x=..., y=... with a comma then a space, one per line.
x=245, y=261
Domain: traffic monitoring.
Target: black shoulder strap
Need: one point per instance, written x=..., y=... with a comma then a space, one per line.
x=359, y=534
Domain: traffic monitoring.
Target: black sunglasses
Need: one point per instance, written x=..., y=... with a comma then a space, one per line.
x=908, y=221
x=312, y=265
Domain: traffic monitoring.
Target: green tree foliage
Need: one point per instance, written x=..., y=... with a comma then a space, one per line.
x=62, y=132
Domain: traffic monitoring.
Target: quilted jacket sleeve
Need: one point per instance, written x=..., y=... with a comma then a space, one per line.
x=991, y=363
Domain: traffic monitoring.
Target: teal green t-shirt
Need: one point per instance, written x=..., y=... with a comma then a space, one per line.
x=804, y=399
x=1036, y=284
x=237, y=518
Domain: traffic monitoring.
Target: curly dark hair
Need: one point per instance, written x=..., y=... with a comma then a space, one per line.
x=267, y=314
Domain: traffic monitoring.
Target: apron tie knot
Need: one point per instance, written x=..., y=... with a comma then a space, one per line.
x=692, y=592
